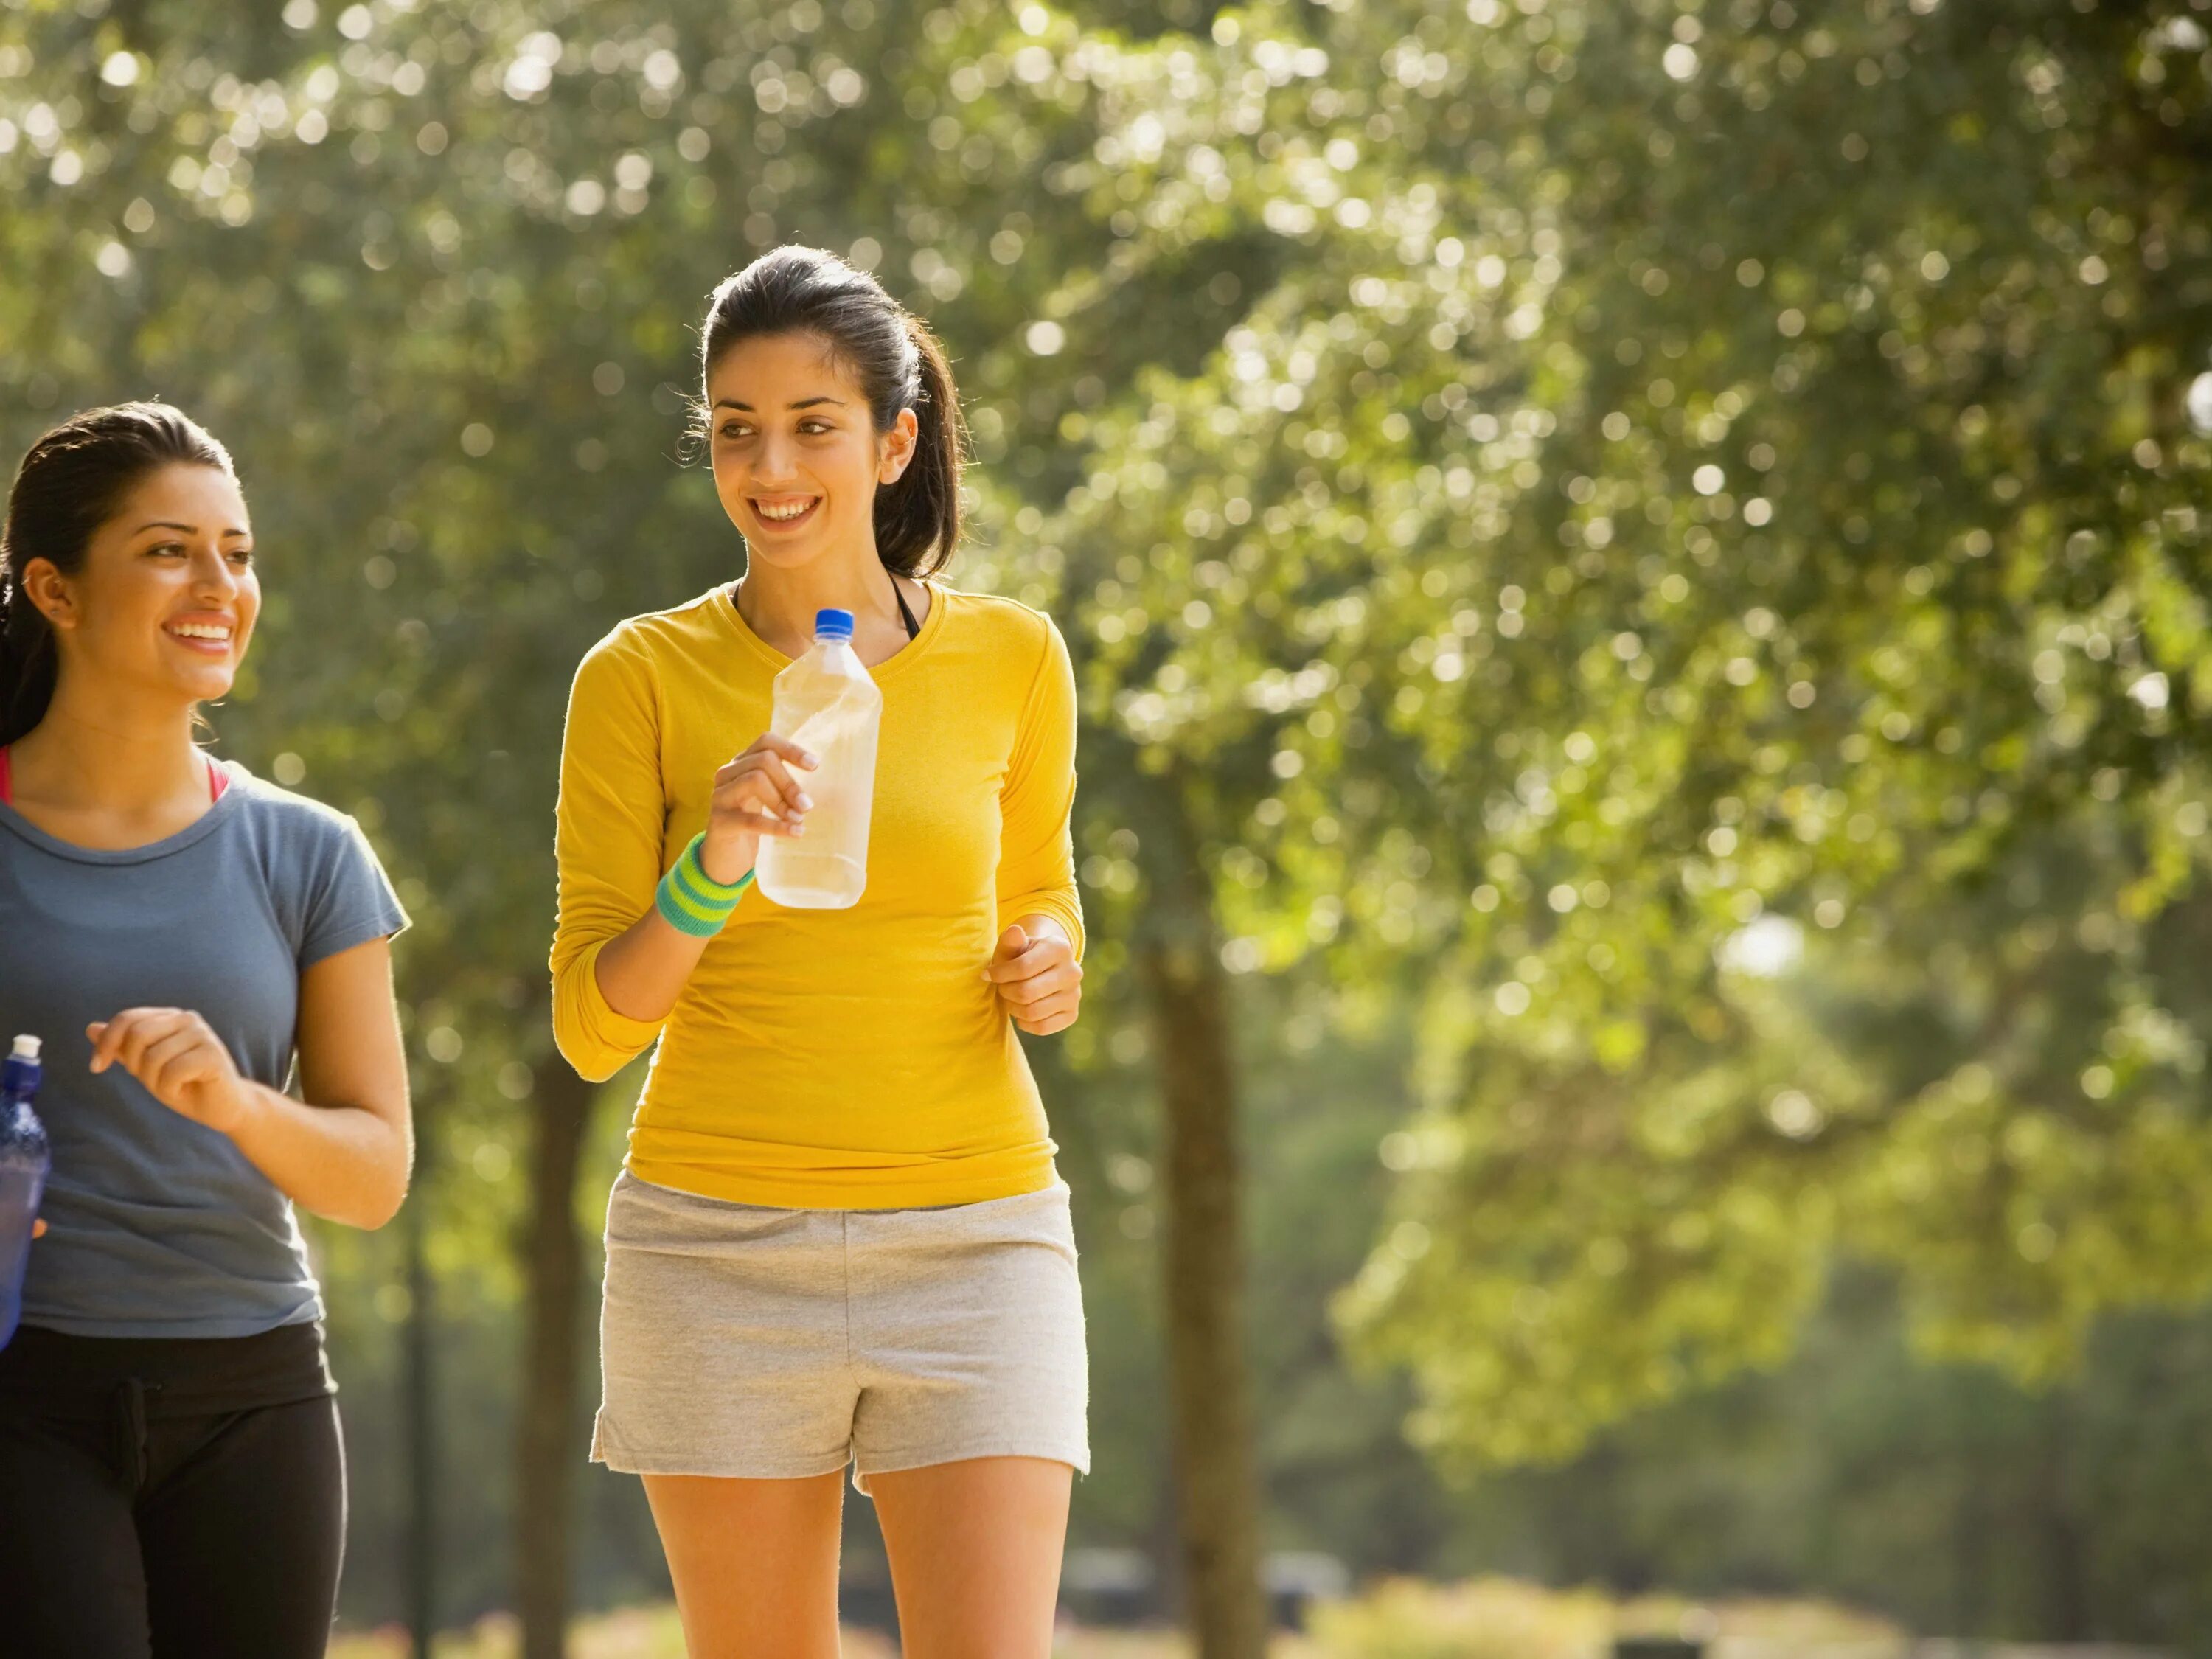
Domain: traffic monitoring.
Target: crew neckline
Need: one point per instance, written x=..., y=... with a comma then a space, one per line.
x=726, y=601
x=219, y=812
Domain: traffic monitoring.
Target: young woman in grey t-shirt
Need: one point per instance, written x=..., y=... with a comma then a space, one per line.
x=177, y=933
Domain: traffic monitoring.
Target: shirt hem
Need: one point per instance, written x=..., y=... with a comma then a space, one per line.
x=904, y=1192
x=336, y=941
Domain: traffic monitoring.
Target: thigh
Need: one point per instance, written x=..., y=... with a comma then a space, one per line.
x=754, y=1562
x=243, y=1530
x=71, y=1583
x=975, y=1550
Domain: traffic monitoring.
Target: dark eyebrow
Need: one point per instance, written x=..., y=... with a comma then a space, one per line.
x=187, y=529
x=804, y=403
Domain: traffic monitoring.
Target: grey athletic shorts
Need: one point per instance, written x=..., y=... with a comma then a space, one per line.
x=770, y=1344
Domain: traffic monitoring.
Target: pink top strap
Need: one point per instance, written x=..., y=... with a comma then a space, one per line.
x=218, y=779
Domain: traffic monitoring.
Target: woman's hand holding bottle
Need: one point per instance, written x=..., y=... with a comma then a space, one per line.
x=755, y=795
x=642, y=970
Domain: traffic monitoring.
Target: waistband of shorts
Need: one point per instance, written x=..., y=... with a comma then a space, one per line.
x=59, y=1376
x=1055, y=1186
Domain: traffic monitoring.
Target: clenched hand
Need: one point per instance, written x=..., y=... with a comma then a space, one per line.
x=1038, y=978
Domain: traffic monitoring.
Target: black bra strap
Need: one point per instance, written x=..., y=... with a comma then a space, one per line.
x=906, y=616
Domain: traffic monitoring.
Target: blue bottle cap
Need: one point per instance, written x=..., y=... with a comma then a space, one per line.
x=833, y=624
x=20, y=1071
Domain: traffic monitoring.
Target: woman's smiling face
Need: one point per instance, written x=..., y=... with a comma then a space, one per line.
x=796, y=455
x=166, y=597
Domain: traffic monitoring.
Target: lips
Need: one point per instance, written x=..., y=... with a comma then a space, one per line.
x=785, y=512
x=203, y=636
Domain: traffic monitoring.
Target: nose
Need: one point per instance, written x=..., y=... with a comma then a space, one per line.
x=774, y=465
x=213, y=578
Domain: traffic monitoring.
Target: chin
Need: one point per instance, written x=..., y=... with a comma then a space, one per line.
x=785, y=556
x=210, y=687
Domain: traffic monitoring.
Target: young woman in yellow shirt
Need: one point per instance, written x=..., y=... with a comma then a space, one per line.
x=839, y=1236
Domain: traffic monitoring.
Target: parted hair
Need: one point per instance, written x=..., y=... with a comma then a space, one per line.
x=895, y=359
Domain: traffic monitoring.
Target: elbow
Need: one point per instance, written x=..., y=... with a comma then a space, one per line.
x=381, y=1197
x=591, y=1061
x=373, y=1204
x=595, y=1039
x=370, y=1216
x=569, y=1039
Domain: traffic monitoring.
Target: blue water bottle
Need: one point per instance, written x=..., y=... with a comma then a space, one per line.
x=25, y=1158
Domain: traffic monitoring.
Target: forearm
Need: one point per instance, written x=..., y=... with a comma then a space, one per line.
x=641, y=971
x=347, y=1163
x=1043, y=898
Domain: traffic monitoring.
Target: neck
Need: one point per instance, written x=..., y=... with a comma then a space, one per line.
x=779, y=604
x=107, y=749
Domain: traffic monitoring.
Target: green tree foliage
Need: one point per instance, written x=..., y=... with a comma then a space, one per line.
x=1702, y=465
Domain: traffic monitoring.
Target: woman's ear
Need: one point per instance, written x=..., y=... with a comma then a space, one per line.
x=894, y=448
x=47, y=589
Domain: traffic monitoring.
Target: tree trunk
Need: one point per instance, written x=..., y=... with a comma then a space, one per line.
x=1215, y=1463
x=2066, y=1613
x=546, y=1458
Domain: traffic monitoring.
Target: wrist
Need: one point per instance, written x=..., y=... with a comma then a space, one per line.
x=725, y=865
x=238, y=1109
x=690, y=900
x=1039, y=926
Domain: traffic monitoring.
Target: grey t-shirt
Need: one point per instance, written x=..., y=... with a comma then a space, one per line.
x=157, y=1225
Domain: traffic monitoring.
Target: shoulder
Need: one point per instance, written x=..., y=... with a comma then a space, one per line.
x=1014, y=657
x=1017, y=630
x=657, y=633
x=295, y=832
x=271, y=807
x=326, y=886
x=635, y=650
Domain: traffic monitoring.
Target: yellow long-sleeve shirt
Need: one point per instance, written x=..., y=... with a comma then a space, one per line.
x=854, y=1059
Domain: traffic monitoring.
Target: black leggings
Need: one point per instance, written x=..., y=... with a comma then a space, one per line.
x=139, y=1519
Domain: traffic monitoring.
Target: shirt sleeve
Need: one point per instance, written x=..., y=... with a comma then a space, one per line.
x=349, y=899
x=606, y=845
x=1037, y=853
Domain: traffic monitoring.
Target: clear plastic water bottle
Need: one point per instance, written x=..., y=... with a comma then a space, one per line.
x=25, y=1158
x=826, y=703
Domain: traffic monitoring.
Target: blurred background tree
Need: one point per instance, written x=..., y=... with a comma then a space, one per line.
x=1638, y=578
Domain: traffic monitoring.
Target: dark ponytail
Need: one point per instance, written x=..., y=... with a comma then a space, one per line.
x=897, y=363
x=71, y=482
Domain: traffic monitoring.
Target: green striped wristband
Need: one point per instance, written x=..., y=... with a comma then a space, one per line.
x=692, y=902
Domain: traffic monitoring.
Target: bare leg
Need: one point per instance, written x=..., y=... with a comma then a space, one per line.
x=754, y=1562
x=974, y=1549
